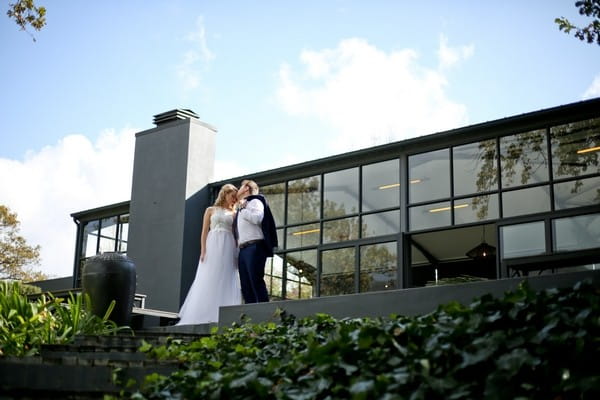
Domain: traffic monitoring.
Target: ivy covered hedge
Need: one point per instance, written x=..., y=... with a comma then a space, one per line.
x=527, y=345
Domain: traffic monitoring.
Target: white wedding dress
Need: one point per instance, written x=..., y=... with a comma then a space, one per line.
x=217, y=281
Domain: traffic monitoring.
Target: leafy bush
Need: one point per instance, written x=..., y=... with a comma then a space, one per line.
x=25, y=325
x=527, y=345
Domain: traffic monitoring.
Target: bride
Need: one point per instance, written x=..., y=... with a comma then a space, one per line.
x=217, y=281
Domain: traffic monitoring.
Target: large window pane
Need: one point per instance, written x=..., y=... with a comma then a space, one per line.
x=381, y=185
x=274, y=276
x=123, y=233
x=108, y=234
x=303, y=235
x=525, y=201
x=579, y=193
x=340, y=193
x=385, y=223
x=429, y=216
x=523, y=239
x=337, y=271
x=429, y=176
x=275, y=195
x=524, y=158
x=576, y=233
x=474, y=167
x=378, y=267
x=340, y=230
x=475, y=209
x=90, y=238
x=304, y=200
x=576, y=148
x=301, y=274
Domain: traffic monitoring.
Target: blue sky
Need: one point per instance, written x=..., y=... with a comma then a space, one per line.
x=275, y=77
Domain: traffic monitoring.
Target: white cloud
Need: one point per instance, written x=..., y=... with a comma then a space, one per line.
x=370, y=96
x=69, y=176
x=195, y=60
x=593, y=90
x=450, y=56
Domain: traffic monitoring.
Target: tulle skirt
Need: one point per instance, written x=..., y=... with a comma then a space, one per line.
x=217, y=281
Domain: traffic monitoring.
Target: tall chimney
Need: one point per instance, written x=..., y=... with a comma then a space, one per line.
x=173, y=163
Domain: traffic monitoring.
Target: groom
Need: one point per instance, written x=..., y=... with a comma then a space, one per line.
x=254, y=230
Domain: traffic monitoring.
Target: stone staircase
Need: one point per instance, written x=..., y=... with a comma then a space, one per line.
x=86, y=368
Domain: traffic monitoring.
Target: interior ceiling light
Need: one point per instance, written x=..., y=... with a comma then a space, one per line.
x=305, y=232
x=483, y=250
x=391, y=185
x=588, y=150
x=434, y=210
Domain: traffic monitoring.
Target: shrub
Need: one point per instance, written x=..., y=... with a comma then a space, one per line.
x=25, y=325
x=534, y=345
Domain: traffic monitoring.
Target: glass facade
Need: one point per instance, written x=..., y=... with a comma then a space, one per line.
x=102, y=235
x=420, y=211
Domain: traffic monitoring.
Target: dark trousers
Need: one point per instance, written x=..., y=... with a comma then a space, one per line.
x=252, y=273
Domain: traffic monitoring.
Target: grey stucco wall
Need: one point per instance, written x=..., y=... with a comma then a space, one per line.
x=173, y=164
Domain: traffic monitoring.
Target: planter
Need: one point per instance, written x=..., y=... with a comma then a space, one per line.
x=107, y=277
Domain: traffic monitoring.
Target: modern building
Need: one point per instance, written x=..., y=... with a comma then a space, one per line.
x=512, y=197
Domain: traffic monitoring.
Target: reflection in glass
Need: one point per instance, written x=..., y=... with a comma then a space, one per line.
x=340, y=230
x=274, y=276
x=304, y=200
x=337, y=272
x=378, y=267
x=108, y=235
x=340, y=193
x=475, y=209
x=123, y=233
x=475, y=167
x=523, y=239
x=576, y=148
x=525, y=201
x=303, y=235
x=429, y=216
x=429, y=176
x=381, y=185
x=524, y=158
x=275, y=195
x=301, y=275
x=90, y=238
x=385, y=223
x=280, y=233
x=576, y=233
x=579, y=193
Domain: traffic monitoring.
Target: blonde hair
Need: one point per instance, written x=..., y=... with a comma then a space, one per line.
x=252, y=185
x=222, y=196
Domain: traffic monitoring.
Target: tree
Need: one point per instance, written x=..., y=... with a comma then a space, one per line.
x=590, y=33
x=16, y=256
x=25, y=13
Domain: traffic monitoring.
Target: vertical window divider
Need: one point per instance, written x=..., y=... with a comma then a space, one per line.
x=451, y=178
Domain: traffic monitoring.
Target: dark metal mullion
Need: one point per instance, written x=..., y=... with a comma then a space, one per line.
x=99, y=234
x=500, y=273
x=319, y=252
x=402, y=267
x=284, y=246
x=451, y=179
x=550, y=169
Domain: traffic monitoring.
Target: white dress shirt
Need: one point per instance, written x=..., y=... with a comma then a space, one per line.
x=249, y=221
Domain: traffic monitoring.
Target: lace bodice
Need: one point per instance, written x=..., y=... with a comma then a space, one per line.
x=221, y=220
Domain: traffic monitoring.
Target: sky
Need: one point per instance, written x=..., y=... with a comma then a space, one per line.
x=282, y=81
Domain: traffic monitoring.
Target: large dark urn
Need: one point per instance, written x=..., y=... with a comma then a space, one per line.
x=107, y=277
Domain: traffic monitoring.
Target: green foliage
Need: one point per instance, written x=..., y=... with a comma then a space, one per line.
x=534, y=345
x=16, y=256
x=24, y=288
x=589, y=33
x=25, y=325
x=26, y=13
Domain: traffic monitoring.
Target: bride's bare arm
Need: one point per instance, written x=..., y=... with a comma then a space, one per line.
x=205, y=229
